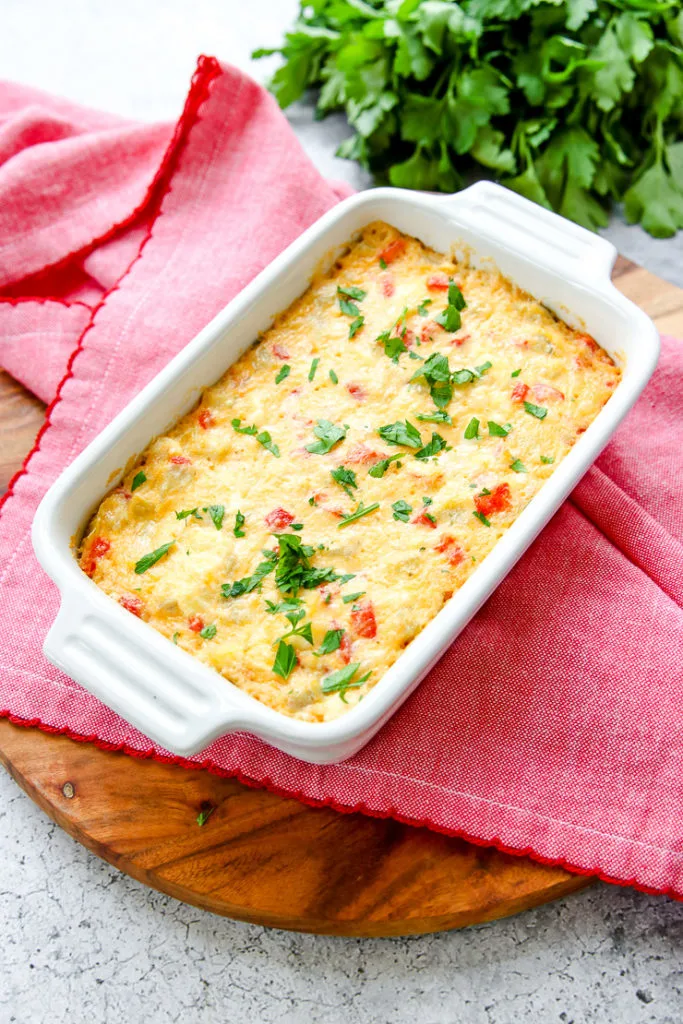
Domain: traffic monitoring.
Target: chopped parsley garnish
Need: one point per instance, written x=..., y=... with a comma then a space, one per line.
x=516, y=373
x=346, y=478
x=394, y=346
x=382, y=263
x=305, y=630
x=216, y=512
x=356, y=325
x=548, y=459
x=314, y=367
x=266, y=440
x=329, y=435
x=450, y=318
x=297, y=526
x=283, y=373
x=414, y=355
x=243, y=430
x=422, y=308
x=353, y=597
x=240, y=520
x=147, y=561
x=351, y=292
x=294, y=570
x=362, y=510
x=472, y=429
x=209, y=632
x=433, y=447
x=263, y=438
x=331, y=642
x=285, y=660
x=343, y=680
x=348, y=308
x=427, y=501
x=175, y=638
x=284, y=607
x=402, y=511
x=249, y=583
x=496, y=430
x=379, y=469
x=481, y=517
x=429, y=516
x=518, y=466
x=539, y=411
x=333, y=377
x=437, y=373
x=205, y=814
x=188, y=512
x=401, y=433
x=138, y=480
x=438, y=416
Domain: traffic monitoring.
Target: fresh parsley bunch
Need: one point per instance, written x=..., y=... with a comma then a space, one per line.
x=572, y=103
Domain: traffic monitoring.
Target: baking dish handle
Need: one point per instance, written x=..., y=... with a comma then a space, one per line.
x=143, y=678
x=504, y=216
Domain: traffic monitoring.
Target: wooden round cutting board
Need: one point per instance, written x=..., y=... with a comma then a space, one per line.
x=259, y=857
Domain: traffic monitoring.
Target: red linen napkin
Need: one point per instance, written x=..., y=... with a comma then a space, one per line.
x=554, y=724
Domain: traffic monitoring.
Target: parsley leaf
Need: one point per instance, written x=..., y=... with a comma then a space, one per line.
x=438, y=416
x=548, y=459
x=239, y=523
x=394, y=346
x=539, y=411
x=401, y=433
x=356, y=325
x=329, y=435
x=472, y=429
x=285, y=660
x=362, y=510
x=138, y=480
x=349, y=308
x=346, y=478
x=422, y=308
x=216, y=512
x=433, y=447
x=147, y=561
x=481, y=517
x=265, y=439
x=314, y=367
x=208, y=632
x=518, y=466
x=516, y=373
x=351, y=292
x=186, y=513
x=333, y=377
x=343, y=679
x=243, y=430
x=379, y=469
x=402, y=511
x=353, y=597
x=496, y=430
x=283, y=373
x=331, y=642
x=249, y=583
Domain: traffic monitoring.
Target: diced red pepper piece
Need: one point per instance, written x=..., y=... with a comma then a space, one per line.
x=460, y=339
x=361, y=455
x=279, y=519
x=438, y=282
x=132, y=603
x=451, y=549
x=588, y=341
x=519, y=392
x=195, y=623
x=279, y=352
x=180, y=460
x=393, y=250
x=387, y=285
x=345, y=646
x=98, y=547
x=546, y=393
x=429, y=329
x=205, y=419
x=422, y=519
x=356, y=391
x=499, y=500
x=363, y=620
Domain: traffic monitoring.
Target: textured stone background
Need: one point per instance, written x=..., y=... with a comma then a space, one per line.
x=81, y=941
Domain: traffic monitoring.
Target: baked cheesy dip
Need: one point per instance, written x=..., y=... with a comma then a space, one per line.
x=338, y=484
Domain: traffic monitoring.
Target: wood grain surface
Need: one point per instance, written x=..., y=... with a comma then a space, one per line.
x=260, y=857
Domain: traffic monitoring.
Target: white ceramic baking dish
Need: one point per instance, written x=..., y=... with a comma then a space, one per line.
x=172, y=697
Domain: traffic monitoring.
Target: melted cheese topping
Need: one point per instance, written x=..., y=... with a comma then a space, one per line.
x=406, y=559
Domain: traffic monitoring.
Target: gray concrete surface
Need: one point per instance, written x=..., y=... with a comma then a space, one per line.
x=81, y=942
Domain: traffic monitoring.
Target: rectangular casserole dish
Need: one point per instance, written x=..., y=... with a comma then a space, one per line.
x=171, y=696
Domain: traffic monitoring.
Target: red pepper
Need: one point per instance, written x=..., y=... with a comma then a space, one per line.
x=422, y=519
x=438, y=282
x=279, y=519
x=180, y=460
x=205, y=419
x=499, y=500
x=363, y=620
x=519, y=392
x=356, y=391
x=131, y=603
x=195, y=623
x=386, y=283
x=393, y=250
x=451, y=549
